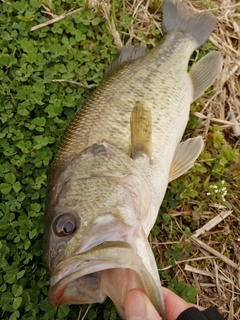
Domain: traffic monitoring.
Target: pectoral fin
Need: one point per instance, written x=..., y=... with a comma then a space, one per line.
x=141, y=130
x=185, y=156
x=204, y=72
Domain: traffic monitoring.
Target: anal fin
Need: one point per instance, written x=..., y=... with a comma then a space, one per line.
x=204, y=72
x=186, y=154
x=141, y=130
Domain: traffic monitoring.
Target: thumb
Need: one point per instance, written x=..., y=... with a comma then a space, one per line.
x=139, y=307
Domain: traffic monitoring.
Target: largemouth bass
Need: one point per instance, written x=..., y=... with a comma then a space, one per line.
x=114, y=163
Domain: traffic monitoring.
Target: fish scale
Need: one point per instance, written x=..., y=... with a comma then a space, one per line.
x=115, y=99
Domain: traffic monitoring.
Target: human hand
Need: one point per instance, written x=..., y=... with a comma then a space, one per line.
x=139, y=307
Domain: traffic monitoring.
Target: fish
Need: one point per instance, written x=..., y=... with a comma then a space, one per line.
x=116, y=158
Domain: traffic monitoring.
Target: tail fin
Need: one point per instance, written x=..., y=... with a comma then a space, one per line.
x=197, y=25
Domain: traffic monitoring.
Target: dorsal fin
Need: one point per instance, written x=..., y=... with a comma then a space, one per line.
x=125, y=55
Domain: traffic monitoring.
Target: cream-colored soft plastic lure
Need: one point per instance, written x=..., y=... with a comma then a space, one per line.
x=116, y=158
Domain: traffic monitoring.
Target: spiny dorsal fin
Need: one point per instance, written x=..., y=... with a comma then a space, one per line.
x=125, y=55
x=141, y=130
x=186, y=154
x=204, y=72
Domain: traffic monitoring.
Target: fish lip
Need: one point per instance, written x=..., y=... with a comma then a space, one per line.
x=69, y=273
x=82, y=258
x=57, y=289
x=120, y=267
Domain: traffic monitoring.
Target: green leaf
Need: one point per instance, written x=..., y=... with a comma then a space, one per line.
x=32, y=233
x=48, y=76
x=35, y=207
x=7, y=60
x=17, y=187
x=5, y=188
x=21, y=197
x=14, y=315
x=17, y=302
x=22, y=111
x=39, y=121
x=180, y=286
x=17, y=290
x=3, y=262
x=27, y=244
x=6, y=298
x=38, y=87
x=49, y=312
x=10, y=178
x=63, y=311
x=17, y=239
x=20, y=274
x=190, y=294
x=96, y=21
x=35, y=3
x=176, y=255
x=27, y=45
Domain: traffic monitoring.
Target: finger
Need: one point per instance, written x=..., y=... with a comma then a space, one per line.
x=175, y=305
x=139, y=307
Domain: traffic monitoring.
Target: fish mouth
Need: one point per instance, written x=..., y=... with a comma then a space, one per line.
x=88, y=277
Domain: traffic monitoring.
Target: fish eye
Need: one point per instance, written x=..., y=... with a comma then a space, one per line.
x=65, y=225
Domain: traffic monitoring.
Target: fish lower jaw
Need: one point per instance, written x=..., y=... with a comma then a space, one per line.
x=111, y=269
x=95, y=287
x=77, y=284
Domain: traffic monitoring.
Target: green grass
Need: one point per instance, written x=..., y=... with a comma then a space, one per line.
x=34, y=113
